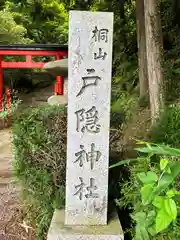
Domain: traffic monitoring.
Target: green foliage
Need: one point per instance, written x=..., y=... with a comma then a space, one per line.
x=167, y=129
x=39, y=146
x=45, y=21
x=165, y=207
x=10, y=32
x=152, y=192
x=171, y=36
x=124, y=103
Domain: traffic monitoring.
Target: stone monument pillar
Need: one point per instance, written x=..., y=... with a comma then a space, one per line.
x=89, y=90
x=86, y=214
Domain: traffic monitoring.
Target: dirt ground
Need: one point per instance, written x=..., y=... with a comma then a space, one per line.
x=10, y=210
x=12, y=226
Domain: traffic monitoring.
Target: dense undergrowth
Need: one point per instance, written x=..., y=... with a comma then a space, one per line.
x=167, y=129
x=39, y=147
x=152, y=193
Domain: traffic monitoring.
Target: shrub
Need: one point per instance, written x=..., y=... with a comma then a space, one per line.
x=152, y=193
x=167, y=129
x=39, y=144
x=125, y=104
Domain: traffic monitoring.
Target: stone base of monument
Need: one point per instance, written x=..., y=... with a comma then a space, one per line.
x=59, y=231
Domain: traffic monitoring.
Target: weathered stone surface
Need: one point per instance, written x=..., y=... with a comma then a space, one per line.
x=65, y=86
x=57, y=100
x=57, y=68
x=89, y=90
x=59, y=231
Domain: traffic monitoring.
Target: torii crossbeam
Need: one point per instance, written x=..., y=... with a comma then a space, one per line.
x=54, y=50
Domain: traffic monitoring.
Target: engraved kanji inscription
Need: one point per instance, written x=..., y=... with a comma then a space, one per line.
x=91, y=188
x=90, y=80
x=80, y=188
x=100, y=55
x=100, y=34
x=83, y=156
x=87, y=120
x=86, y=191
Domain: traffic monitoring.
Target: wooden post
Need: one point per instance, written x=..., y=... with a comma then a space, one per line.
x=59, y=87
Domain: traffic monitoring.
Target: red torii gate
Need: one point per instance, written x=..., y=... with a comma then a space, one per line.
x=57, y=51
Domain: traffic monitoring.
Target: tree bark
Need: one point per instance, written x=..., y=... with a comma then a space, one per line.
x=154, y=51
x=141, y=42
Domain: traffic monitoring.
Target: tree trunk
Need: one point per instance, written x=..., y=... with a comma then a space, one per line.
x=154, y=51
x=141, y=42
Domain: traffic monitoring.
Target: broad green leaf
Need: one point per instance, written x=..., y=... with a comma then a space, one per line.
x=139, y=217
x=141, y=233
x=147, y=193
x=158, y=201
x=144, y=233
x=152, y=230
x=167, y=170
x=165, y=181
x=163, y=164
x=150, y=218
x=149, y=177
x=149, y=145
x=171, y=193
x=173, y=152
x=160, y=150
x=162, y=220
x=170, y=207
x=153, y=150
x=138, y=235
x=123, y=162
x=175, y=169
x=168, y=179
